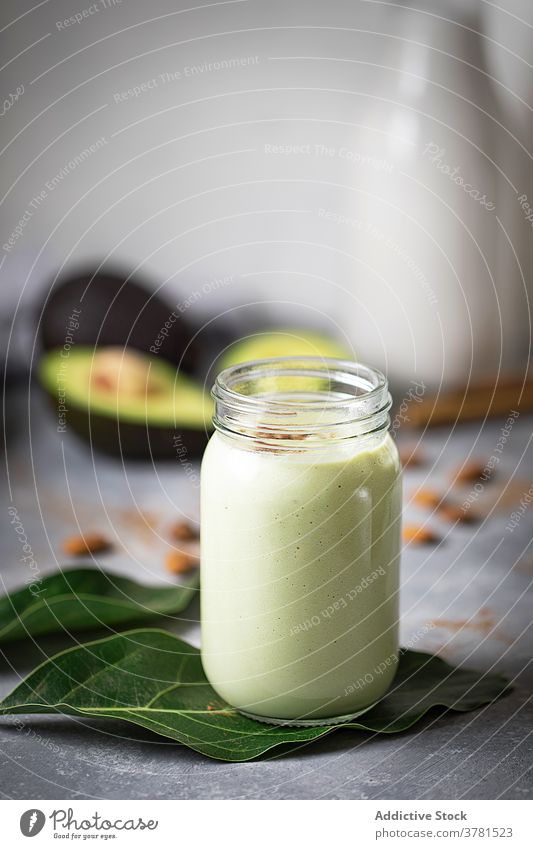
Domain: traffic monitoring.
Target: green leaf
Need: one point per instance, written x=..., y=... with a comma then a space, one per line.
x=82, y=599
x=153, y=679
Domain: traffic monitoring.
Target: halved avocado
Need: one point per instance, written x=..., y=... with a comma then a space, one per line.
x=125, y=402
x=283, y=343
x=110, y=308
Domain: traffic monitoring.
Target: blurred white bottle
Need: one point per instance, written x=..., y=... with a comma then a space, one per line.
x=427, y=237
x=508, y=45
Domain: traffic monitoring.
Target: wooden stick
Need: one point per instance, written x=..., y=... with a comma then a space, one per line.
x=476, y=401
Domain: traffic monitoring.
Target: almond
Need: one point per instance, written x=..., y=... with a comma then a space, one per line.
x=419, y=535
x=183, y=531
x=456, y=513
x=180, y=562
x=86, y=544
x=472, y=471
x=410, y=456
x=427, y=498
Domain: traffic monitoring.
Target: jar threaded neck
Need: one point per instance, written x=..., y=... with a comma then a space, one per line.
x=304, y=398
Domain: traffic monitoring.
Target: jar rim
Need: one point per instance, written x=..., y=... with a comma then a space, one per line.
x=354, y=401
x=322, y=365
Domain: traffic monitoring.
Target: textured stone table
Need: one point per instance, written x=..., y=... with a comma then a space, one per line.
x=469, y=598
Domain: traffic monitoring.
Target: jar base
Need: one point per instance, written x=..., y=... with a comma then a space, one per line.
x=307, y=723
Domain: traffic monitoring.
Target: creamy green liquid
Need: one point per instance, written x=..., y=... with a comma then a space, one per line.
x=300, y=556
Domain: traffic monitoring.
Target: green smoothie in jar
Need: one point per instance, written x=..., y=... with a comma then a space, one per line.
x=301, y=504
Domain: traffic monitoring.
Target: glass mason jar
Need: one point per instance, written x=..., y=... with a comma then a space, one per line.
x=300, y=519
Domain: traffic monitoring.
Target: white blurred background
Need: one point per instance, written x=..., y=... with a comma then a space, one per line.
x=357, y=166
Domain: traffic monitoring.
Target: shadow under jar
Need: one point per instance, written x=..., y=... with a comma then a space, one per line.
x=300, y=519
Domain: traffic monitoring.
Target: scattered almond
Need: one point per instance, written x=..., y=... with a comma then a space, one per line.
x=183, y=531
x=419, y=535
x=456, y=513
x=86, y=544
x=410, y=456
x=428, y=498
x=474, y=470
x=180, y=562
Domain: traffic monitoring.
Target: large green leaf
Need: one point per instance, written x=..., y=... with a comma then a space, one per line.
x=82, y=599
x=153, y=679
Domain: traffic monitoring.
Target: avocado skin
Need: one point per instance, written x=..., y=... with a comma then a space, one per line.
x=131, y=440
x=132, y=430
x=117, y=311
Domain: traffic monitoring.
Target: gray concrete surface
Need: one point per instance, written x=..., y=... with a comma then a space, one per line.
x=469, y=599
